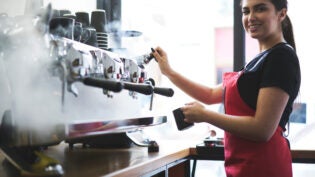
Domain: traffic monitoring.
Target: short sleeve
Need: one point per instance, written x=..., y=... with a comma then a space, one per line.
x=281, y=69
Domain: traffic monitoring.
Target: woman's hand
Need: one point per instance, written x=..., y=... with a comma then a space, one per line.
x=194, y=112
x=161, y=57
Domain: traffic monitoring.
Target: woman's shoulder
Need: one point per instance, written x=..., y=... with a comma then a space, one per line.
x=278, y=54
x=282, y=49
x=283, y=53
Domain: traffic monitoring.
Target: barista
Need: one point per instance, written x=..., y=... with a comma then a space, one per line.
x=258, y=99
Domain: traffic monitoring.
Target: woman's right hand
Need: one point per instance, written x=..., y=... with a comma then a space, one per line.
x=161, y=57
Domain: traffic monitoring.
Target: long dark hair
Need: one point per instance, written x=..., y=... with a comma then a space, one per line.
x=287, y=28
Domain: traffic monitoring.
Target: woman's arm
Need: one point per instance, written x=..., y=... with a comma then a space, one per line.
x=198, y=91
x=260, y=127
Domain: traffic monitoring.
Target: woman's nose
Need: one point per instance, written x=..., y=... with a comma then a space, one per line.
x=251, y=16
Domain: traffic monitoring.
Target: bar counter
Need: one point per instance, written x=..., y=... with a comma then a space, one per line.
x=129, y=162
x=173, y=159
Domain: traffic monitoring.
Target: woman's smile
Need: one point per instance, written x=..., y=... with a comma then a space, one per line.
x=253, y=27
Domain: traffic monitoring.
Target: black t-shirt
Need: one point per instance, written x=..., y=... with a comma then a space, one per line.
x=276, y=67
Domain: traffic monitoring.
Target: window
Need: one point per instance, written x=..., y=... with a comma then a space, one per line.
x=302, y=134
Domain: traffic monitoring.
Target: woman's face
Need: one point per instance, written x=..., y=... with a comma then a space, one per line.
x=261, y=20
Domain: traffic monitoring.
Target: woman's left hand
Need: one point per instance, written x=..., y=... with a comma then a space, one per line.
x=193, y=112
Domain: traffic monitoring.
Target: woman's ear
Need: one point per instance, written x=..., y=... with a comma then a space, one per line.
x=283, y=14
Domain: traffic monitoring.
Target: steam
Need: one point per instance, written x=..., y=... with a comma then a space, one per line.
x=33, y=96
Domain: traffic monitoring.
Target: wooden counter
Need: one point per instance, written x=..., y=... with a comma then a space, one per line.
x=131, y=162
x=173, y=159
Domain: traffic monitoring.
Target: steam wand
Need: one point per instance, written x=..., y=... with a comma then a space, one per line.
x=59, y=67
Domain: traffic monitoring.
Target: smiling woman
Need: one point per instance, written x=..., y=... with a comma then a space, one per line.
x=258, y=99
x=306, y=96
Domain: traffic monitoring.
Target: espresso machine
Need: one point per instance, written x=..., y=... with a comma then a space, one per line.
x=51, y=86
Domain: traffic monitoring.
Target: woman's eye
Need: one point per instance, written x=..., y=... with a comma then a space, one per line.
x=260, y=9
x=245, y=12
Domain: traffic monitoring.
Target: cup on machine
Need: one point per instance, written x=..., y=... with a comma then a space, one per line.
x=98, y=20
x=62, y=27
x=84, y=18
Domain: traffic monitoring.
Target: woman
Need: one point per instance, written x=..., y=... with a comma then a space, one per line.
x=258, y=100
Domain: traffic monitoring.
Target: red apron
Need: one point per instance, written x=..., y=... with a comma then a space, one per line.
x=245, y=158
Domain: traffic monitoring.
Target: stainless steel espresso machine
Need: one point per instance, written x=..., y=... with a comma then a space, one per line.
x=51, y=84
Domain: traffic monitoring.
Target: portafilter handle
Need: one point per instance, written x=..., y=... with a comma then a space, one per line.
x=169, y=92
x=140, y=88
x=104, y=84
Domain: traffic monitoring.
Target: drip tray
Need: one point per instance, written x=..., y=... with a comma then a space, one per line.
x=108, y=134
